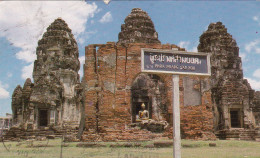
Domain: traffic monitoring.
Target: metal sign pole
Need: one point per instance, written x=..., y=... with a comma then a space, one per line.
x=176, y=117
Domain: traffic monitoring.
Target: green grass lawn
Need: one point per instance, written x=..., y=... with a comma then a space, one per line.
x=195, y=149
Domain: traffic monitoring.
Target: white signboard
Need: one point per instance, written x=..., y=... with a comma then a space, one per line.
x=175, y=62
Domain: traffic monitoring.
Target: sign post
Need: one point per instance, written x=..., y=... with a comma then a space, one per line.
x=176, y=117
x=176, y=63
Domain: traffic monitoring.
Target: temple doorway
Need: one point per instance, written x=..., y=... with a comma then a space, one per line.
x=235, y=118
x=150, y=90
x=43, y=117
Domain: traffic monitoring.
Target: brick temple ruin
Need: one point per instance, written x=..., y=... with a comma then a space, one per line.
x=5, y=124
x=108, y=102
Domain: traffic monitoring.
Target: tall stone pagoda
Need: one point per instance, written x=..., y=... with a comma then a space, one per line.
x=55, y=97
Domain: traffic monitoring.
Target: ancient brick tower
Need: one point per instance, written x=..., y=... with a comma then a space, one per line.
x=116, y=88
x=138, y=28
x=233, y=99
x=55, y=97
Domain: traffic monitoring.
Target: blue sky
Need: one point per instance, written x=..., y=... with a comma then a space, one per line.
x=23, y=23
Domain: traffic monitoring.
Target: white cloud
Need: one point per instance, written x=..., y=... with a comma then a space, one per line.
x=81, y=40
x=28, y=56
x=106, y=18
x=243, y=56
x=5, y=86
x=253, y=46
x=27, y=71
x=257, y=50
x=186, y=45
x=194, y=49
x=255, y=84
x=84, y=36
x=9, y=74
x=257, y=19
x=82, y=62
x=257, y=73
x=3, y=92
x=24, y=22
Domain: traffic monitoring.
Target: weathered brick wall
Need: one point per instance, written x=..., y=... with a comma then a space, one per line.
x=110, y=71
x=197, y=119
x=91, y=87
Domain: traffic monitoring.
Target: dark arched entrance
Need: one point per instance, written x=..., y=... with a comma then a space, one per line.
x=150, y=90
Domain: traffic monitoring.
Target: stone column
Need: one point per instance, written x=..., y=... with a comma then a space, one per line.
x=52, y=116
x=30, y=124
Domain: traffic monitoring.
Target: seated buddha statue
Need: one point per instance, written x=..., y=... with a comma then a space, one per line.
x=143, y=114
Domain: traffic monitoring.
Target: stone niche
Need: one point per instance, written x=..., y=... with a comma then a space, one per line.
x=150, y=90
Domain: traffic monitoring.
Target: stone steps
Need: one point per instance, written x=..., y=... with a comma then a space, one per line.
x=16, y=133
x=238, y=134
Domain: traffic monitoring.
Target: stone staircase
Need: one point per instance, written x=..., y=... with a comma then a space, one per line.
x=239, y=134
x=257, y=135
x=16, y=133
x=247, y=135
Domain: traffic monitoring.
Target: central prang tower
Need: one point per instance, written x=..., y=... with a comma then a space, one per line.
x=138, y=28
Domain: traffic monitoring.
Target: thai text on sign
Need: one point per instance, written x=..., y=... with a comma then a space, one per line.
x=176, y=62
